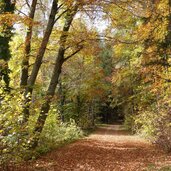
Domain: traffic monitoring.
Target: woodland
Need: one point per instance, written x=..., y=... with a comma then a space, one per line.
x=68, y=65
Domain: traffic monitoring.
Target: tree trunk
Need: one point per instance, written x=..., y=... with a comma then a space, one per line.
x=168, y=38
x=25, y=61
x=55, y=77
x=62, y=101
x=43, y=46
x=38, y=62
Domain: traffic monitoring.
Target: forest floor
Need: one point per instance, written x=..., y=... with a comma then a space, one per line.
x=109, y=148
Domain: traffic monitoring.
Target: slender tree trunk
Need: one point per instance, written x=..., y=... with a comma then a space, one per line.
x=43, y=46
x=62, y=101
x=78, y=105
x=55, y=77
x=92, y=114
x=38, y=62
x=25, y=61
x=168, y=38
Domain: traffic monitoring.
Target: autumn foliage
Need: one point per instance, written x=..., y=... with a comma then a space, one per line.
x=62, y=71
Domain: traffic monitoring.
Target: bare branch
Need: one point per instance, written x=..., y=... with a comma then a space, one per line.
x=27, y=3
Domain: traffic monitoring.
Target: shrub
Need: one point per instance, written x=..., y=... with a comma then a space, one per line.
x=56, y=133
x=155, y=124
x=15, y=138
x=11, y=135
x=129, y=122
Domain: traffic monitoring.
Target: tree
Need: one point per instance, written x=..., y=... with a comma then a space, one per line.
x=145, y=70
x=38, y=62
x=25, y=61
x=6, y=7
x=60, y=59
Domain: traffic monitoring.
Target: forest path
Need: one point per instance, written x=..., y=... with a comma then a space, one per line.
x=109, y=148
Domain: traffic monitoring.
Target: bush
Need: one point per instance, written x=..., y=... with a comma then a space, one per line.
x=155, y=124
x=15, y=138
x=144, y=123
x=163, y=130
x=129, y=122
x=56, y=133
x=11, y=135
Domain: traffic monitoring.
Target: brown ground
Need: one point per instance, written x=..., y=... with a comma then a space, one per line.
x=110, y=148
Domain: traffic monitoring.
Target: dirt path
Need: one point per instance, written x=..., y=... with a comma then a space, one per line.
x=110, y=148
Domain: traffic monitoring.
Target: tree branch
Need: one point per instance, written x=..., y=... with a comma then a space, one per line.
x=27, y=3
x=78, y=50
x=60, y=15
